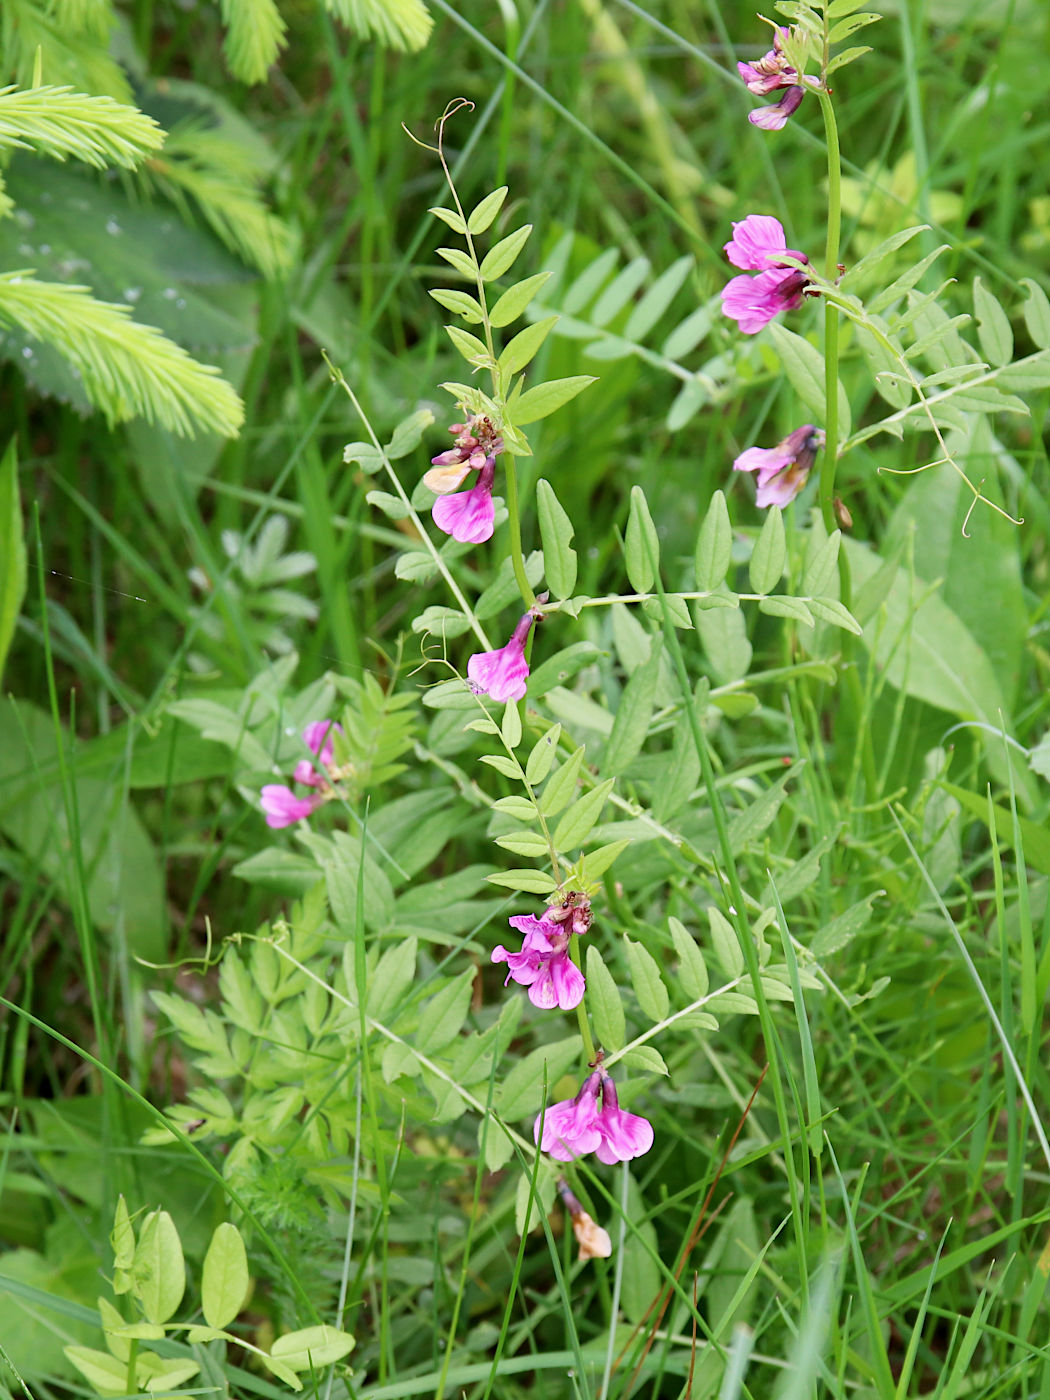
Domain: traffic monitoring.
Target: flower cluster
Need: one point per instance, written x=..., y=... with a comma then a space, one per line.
x=544, y=964
x=578, y=1126
x=280, y=803
x=758, y=245
x=782, y=470
x=468, y=516
x=771, y=73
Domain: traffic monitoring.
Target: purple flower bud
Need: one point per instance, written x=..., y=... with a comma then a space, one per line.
x=770, y=73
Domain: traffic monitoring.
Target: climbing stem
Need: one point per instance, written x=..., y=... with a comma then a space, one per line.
x=517, y=558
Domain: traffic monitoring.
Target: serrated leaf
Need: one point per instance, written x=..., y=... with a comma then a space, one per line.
x=634, y=712
x=714, y=545
x=500, y=258
x=545, y=399
x=994, y=335
x=556, y=533
x=769, y=555
x=692, y=970
x=515, y=299
x=641, y=545
x=521, y=349
x=158, y=1271
x=312, y=1348
x=804, y=366
x=486, y=210
x=726, y=945
x=604, y=1002
x=581, y=817
x=561, y=786
x=541, y=759
x=648, y=985
x=224, y=1277
x=528, y=881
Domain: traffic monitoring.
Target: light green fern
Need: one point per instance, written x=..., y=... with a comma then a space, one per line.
x=58, y=122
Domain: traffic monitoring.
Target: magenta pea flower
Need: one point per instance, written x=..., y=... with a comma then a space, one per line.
x=469, y=516
x=475, y=443
x=770, y=73
x=577, y=1126
x=283, y=808
x=316, y=737
x=758, y=245
x=502, y=674
x=543, y=964
x=782, y=470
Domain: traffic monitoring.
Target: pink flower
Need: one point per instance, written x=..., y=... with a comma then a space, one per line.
x=782, y=470
x=502, y=674
x=758, y=243
x=768, y=74
x=315, y=737
x=543, y=965
x=469, y=516
x=283, y=808
x=755, y=301
x=577, y=1126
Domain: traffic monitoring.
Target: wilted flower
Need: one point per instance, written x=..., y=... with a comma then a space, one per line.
x=544, y=964
x=768, y=74
x=782, y=470
x=594, y=1241
x=577, y=1126
x=475, y=443
x=502, y=674
x=758, y=245
x=469, y=516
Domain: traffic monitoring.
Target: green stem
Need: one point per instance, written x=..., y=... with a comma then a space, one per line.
x=831, y=316
x=517, y=558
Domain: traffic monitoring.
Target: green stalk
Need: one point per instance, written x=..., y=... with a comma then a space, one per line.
x=831, y=315
x=517, y=558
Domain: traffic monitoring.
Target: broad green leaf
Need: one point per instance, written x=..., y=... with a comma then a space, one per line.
x=561, y=786
x=633, y=713
x=822, y=557
x=576, y=823
x=1034, y=837
x=831, y=610
x=509, y=767
x=104, y=1372
x=154, y=1373
x=441, y=622
x=520, y=808
x=547, y=398
x=158, y=1272
x=511, y=726
x=726, y=944
x=714, y=545
x=604, y=1002
x=849, y=55
x=646, y=1059
x=692, y=970
x=769, y=555
x=520, y=350
x=444, y=1013
x=486, y=210
x=515, y=299
x=556, y=532
x=113, y=1325
x=648, y=985
x=500, y=258
x=723, y=632
x=12, y=551
x=641, y=545
x=312, y=1348
x=562, y=666
x=804, y=366
x=994, y=334
x=1036, y=311
x=224, y=1278
x=849, y=26
x=541, y=759
x=391, y=979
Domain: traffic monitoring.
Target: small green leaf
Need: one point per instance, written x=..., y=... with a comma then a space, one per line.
x=394, y=973
x=541, y=759
x=576, y=824
x=849, y=55
x=484, y=212
x=473, y=350
x=528, y=881
x=12, y=551
x=546, y=399
x=444, y=1014
x=520, y=350
x=224, y=1278
x=831, y=610
x=633, y=713
x=846, y=28
x=994, y=334
x=714, y=545
x=804, y=366
x=312, y=1348
x=529, y=844
x=450, y=217
x=641, y=545
x=561, y=785
x=511, y=726
x=556, y=532
x=726, y=944
x=781, y=606
x=108, y=1375
x=862, y=271
x=462, y=303
x=595, y=863
x=648, y=985
x=500, y=258
x=604, y=1003
x=122, y=1236
x=1036, y=311
x=770, y=553
x=159, y=1272
x=509, y=767
x=459, y=260
x=515, y=299
x=822, y=557
x=647, y=1059
x=692, y=970
x=520, y=808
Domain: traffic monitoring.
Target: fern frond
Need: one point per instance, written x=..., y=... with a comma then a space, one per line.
x=7, y=204
x=92, y=19
x=30, y=29
x=127, y=369
x=403, y=24
x=254, y=37
x=218, y=176
x=58, y=122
